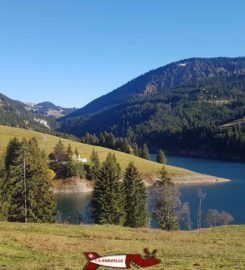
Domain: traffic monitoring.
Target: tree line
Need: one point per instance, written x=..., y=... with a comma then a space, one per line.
x=26, y=190
x=119, y=197
x=123, y=144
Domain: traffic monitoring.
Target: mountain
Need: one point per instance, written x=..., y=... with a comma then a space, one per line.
x=182, y=107
x=163, y=78
x=49, y=109
x=15, y=113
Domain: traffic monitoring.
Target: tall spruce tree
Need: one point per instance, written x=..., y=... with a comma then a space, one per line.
x=108, y=197
x=25, y=183
x=69, y=153
x=135, y=149
x=3, y=203
x=76, y=152
x=59, y=152
x=161, y=157
x=69, y=167
x=136, y=198
x=94, y=165
x=145, y=152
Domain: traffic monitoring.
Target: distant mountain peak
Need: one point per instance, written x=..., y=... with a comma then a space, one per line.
x=46, y=103
x=51, y=110
x=171, y=75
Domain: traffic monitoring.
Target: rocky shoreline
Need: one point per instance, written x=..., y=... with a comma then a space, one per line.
x=76, y=185
x=185, y=179
x=198, y=178
x=72, y=185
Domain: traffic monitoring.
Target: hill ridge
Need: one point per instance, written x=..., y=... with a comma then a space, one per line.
x=235, y=64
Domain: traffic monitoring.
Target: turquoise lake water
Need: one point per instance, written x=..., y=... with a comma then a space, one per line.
x=229, y=197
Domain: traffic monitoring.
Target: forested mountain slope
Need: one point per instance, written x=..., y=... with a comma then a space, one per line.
x=185, y=113
x=169, y=76
x=49, y=109
x=15, y=114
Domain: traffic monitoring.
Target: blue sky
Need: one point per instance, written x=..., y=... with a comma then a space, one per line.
x=70, y=52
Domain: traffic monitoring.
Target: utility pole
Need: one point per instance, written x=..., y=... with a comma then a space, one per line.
x=25, y=191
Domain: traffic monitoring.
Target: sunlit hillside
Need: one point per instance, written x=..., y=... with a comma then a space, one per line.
x=47, y=142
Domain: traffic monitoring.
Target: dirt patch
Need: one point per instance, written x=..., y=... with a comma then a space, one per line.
x=72, y=185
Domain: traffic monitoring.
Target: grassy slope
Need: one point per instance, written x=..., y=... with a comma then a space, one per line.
x=45, y=246
x=47, y=142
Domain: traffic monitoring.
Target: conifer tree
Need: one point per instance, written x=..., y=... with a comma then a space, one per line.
x=69, y=167
x=145, y=152
x=3, y=203
x=59, y=152
x=94, y=165
x=25, y=183
x=76, y=152
x=108, y=197
x=136, y=198
x=161, y=157
x=135, y=149
x=69, y=153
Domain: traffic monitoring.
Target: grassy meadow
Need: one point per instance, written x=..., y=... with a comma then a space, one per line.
x=47, y=142
x=57, y=246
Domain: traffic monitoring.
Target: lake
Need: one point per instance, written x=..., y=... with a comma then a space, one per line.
x=229, y=197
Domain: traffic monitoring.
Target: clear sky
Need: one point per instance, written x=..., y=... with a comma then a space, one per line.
x=70, y=52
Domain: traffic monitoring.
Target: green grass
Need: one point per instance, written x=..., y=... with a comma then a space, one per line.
x=56, y=246
x=47, y=142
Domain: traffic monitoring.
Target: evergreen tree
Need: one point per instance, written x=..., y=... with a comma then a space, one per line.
x=25, y=183
x=135, y=149
x=145, y=152
x=167, y=203
x=59, y=152
x=73, y=168
x=108, y=197
x=69, y=153
x=94, y=165
x=126, y=148
x=76, y=152
x=69, y=166
x=3, y=203
x=136, y=198
x=161, y=157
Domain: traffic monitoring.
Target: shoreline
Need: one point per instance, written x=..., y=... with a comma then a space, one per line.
x=186, y=179
x=76, y=185
x=72, y=185
x=199, y=178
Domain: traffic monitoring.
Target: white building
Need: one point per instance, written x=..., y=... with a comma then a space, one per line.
x=81, y=159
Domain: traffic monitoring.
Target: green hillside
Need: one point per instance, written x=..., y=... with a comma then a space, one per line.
x=47, y=142
x=53, y=246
